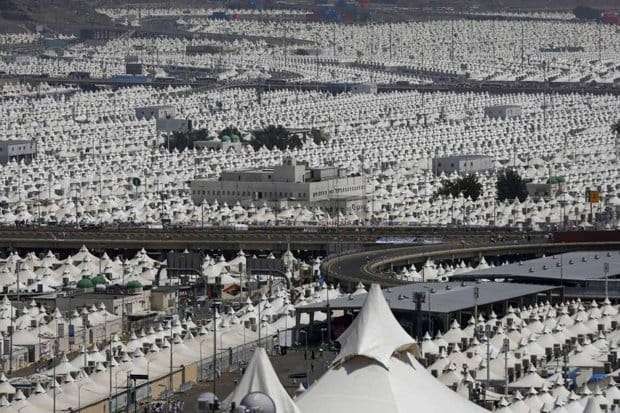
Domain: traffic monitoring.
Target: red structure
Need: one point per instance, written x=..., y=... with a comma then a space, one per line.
x=587, y=236
x=610, y=17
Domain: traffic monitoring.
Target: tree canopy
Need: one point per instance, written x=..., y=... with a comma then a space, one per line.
x=468, y=185
x=275, y=137
x=229, y=131
x=319, y=136
x=185, y=140
x=510, y=185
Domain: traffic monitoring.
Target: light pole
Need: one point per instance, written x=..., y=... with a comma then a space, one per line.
x=215, y=306
x=200, y=365
x=606, y=271
x=305, y=333
x=171, y=353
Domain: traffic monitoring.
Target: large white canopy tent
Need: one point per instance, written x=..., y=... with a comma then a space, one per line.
x=376, y=370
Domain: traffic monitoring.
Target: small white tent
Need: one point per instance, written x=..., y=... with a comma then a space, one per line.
x=260, y=377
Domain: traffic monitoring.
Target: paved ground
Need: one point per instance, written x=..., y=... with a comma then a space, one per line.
x=292, y=363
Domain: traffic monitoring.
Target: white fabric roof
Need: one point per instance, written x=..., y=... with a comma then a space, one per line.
x=375, y=371
x=261, y=377
x=374, y=333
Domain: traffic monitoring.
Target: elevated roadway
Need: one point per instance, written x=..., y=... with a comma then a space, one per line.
x=377, y=266
x=323, y=240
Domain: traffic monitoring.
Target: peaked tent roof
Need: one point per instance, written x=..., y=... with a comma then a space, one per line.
x=260, y=376
x=374, y=333
x=376, y=372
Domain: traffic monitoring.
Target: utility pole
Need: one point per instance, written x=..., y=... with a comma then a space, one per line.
x=606, y=271
x=476, y=297
x=54, y=383
x=418, y=298
x=110, y=369
x=18, y=266
x=506, y=349
x=171, y=359
x=562, y=275
x=329, y=321
x=215, y=306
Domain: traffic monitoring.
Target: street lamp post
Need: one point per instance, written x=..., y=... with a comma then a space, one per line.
x=305, y=333
x=200, y=376
x=215, y=305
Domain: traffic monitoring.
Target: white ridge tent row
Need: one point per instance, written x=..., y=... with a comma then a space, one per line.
x=86, y=164
x=51, y=273
x=376, y=368
x=148, y=352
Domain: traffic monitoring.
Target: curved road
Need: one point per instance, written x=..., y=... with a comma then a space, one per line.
x=375, y=266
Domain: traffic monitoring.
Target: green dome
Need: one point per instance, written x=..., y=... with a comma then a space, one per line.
x=134, y=284
x=85, y=283
x=100, y=279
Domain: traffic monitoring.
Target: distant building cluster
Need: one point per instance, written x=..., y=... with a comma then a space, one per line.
x=463, y=164
x=17, y=150
x=292, y=182
x=503, y=111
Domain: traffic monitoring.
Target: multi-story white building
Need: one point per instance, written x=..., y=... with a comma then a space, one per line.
x=462, y=164
x=291, y=183
x=503, y=111
x=17, y=150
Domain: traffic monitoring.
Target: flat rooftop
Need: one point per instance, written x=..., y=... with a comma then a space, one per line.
x=444, y=297
x=575, y=266
x=15, y=141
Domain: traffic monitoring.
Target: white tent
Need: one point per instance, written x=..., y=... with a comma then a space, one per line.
x=376, y=372
x=260, y=377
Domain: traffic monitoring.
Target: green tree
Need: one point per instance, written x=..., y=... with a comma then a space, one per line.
x=319, y=136
x=275, y=137
x=510, y=185
x=229, y=131
x=185, y=140
x=468, y=185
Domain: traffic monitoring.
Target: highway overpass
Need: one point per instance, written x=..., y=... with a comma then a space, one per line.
x=319, y=240
x=377, y=265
